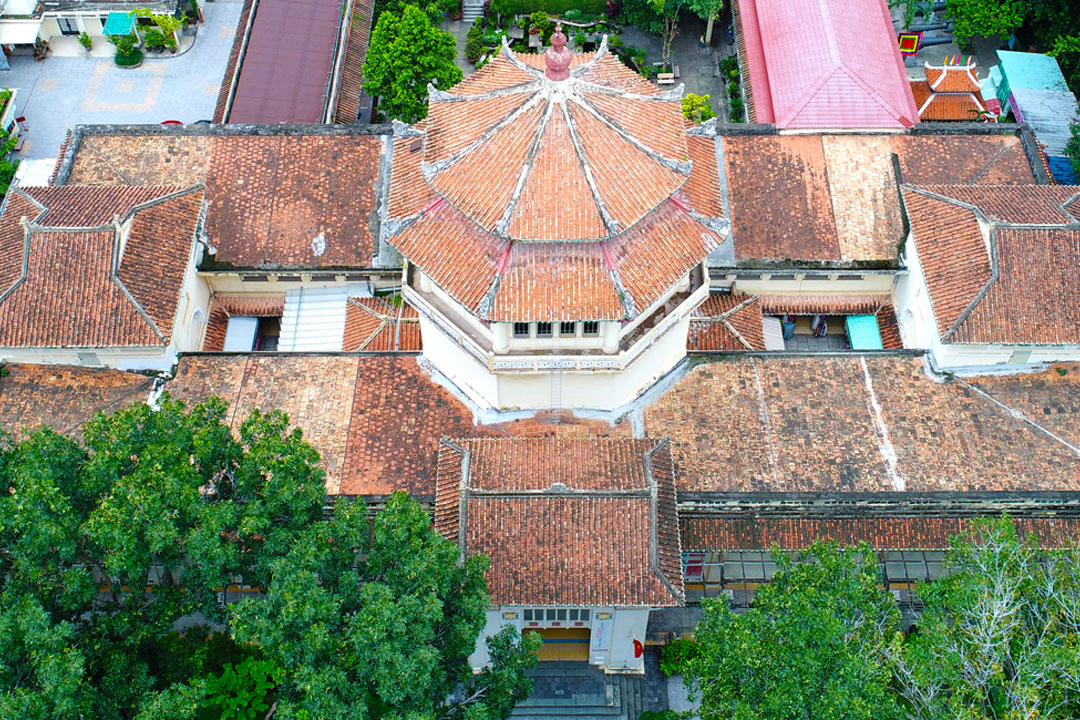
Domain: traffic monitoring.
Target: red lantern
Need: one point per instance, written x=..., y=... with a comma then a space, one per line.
x=638, y=648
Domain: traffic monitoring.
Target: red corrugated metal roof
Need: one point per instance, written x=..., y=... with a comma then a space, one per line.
x=826, y=64
x=288, y=63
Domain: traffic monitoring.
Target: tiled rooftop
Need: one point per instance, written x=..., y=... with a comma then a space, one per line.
x=881, y=533
x=273, y=202
x=1011, y=283
x=809, y=70
x=512, y=161
x=70, y=279
x=374, y=325
x=64, y=398
x=854, y=424
x=836, y=198
x=565, y=522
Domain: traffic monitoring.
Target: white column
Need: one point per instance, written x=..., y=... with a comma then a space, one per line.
x=611, y=337
x=426, y=286
x=502, y=336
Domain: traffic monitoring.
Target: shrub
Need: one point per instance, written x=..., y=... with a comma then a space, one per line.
x=733, y=89
x=552, y=7
x=132, y=58
x=735, y=110
x=730, y=65
x=573, y=14
x=154, y=39
x=85, y=41
x=540, y=19
x=580, y=40
x=675, y=656
x=614, y=41
x=697, y=108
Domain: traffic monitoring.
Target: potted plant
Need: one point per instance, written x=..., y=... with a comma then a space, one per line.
x=455, y=12
x=128, y=53
x=86, y=42
x=154, y=40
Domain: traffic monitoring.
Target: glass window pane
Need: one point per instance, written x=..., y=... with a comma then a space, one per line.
x=895, y=570
x=733, y=571
x=714, y=573
x=543, y=329
x=527, y=614
x=916, y=570
x=754, y=570
x=894, y=556
x=561, y=615
x=551, y=614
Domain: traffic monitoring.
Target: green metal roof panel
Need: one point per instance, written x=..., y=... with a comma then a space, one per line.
x=1033, y=71
x=863, y=332
x=119, y=23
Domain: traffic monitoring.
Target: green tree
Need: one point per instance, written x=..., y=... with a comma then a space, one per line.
x=390, y=634
x=1072, y=147
x=814, y=644
x=109, y=543
x=406, y=53
x=697, y=108
x=707, y=10
x=998, y=638
x=668, y=11
x=985, y=17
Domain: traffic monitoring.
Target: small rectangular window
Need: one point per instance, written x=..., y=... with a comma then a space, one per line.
x=782, y=277
x=590, y=328
x=543, y=329
x=562, y=614
x=573, y=614
x=567, y=329
x=526, y=614
x=521, y=330
x=550, y=614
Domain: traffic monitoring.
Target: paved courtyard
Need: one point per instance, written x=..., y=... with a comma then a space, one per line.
x=698, y=69
x=60, y=92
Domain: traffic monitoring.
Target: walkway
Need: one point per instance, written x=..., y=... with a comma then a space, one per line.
x=61, y=92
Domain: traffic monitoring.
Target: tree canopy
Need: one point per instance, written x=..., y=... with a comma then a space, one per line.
x=405, y=54
x=115, y=551
x=813, y=644
x=998, y=636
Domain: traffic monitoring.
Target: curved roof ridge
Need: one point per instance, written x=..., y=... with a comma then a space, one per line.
x=526, y=170
x=609, y=222
x=682, y=167
x=430, y=170
x=445, y=96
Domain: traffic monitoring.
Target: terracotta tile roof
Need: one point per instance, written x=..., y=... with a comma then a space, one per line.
x=453, y=251
x=398, y=415
x=952, y=78
x=87, y=206
x=840, y=79
x=541, y=213
x=15, y=206
x=1052, y=396
x=409, y=194
x=1026, y=205
x=920, y=532
x=123, y=159
x=621, y=151
x=836, y=198
x=73, y=286
x=1013, y=284
x=373, y=325
x=547, y=282
x=656, y=252
x=64, y=398
x=965, y=159
x=702, y=188
x=731, y=321
x=960, y=107
x=269, y=203
x=1035, y=298
x=889, y=329
x=495, y=75
x=611, y=73
x=783, y=424
x=953, y=253
x=752, y=61
x=559, y=544
x=351, y=81
x=816, y=304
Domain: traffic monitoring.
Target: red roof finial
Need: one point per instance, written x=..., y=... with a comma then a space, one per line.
x=558, y=56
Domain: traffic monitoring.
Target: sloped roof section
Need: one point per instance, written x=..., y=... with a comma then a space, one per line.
x=94, y=285
x=828, y=64
x=528, y=198
x=558, y=516
x=999, y=262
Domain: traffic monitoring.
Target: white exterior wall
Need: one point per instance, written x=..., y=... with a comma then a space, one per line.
x=876, y=284
x=594, y=390
x=612, y=635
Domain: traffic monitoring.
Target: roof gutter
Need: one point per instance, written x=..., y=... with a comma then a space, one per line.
x=344, y=28
x=240, y=61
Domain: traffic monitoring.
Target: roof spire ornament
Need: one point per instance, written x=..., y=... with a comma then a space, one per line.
x=558, y=56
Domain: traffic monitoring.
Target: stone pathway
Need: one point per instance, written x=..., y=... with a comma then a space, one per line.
x=61, y=92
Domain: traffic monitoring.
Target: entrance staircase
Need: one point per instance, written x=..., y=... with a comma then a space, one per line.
x=580, y=691
x=471, y=9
